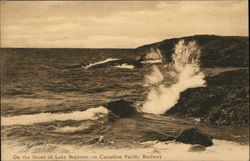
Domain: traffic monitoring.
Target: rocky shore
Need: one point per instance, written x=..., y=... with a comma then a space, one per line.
x=224, y=101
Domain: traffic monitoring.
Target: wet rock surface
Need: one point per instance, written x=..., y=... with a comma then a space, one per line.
x=224, y=101
x=122, y=108
x=193, y=136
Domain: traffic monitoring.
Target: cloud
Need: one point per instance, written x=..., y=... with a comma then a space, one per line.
x=117, y=24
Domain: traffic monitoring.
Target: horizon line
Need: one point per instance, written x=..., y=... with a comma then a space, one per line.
x=246, y=36
x=58, y=48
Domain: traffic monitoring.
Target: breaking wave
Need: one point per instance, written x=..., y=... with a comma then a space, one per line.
x=153, y=55
x=151, y=61
x=71, y=129
x=155, y=78
x=100, y=62
x=186, y=71
x=89, y=114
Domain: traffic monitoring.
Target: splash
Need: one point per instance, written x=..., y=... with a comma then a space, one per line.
x=153, y=55
x=186, y=70
x=100, y=62
x=154, y=78
x=89, y=114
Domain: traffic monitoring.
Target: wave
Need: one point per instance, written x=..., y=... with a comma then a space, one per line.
x=125, y=66
x=153, y=55
x=89, y=114
x=100, y=62
x=186, y=71
x=154, y=78
x=151, y=61
x=71, y=129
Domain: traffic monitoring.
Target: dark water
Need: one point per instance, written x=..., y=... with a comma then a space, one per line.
x=47, y=81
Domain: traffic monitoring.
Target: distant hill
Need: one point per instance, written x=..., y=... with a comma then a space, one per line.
x=222, y=51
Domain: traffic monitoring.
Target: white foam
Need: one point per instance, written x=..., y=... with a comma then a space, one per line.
x=70, y=129
x=188, y=75
x=89, y=114
x=197, y=119
x=125, y=66
x=154, y=78
x=151, y=61
x=153, y=54
x=100, y=62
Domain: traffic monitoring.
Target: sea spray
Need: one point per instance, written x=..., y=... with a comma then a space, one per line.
x=155, y=78
x=186, y=67
x=153, y=55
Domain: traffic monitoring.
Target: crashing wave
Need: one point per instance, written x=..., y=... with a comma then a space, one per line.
x=186, y=71
x=153, y=55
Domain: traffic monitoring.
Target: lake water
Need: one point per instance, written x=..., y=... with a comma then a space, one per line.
x=50, y=104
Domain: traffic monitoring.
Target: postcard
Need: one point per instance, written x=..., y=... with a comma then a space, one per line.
x=124, y=80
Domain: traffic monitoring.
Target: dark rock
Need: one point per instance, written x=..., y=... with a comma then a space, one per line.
x=224, y=101
x=193, y=136
x=122, y=108
x=170, y=138
x=197, y=148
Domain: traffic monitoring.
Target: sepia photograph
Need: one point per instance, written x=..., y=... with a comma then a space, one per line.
x=124, y=80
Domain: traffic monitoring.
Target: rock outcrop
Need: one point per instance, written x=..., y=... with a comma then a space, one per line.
x=224, y=101
x=193, y=136
x=122, y=108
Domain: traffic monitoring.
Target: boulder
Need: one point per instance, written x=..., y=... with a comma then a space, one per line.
x=122, y=108
x=197, y=148
x=193, y=136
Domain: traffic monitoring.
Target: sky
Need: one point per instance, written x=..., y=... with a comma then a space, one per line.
x=113, y=24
